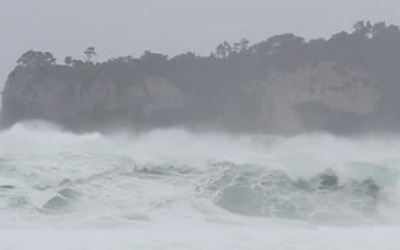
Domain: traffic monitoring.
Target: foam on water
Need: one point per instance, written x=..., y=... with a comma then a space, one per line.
x=170, y=189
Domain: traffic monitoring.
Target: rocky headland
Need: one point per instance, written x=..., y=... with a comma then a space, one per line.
x=347, y=84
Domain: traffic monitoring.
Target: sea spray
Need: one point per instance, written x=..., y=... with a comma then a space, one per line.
x=50, y=176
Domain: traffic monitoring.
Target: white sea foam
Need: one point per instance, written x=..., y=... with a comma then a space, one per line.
x=172, y=189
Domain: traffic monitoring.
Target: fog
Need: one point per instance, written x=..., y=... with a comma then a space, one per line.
x=125, y=27
x=280, y=143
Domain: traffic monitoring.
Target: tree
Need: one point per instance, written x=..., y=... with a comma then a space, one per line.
x=90, y=52
x=68, y=60
x=223, y=50
x=365, y=29
x=150, y=57
x=36, y=58
x=285, y=43
x=241, y=46
x=78, y=64
x=378, y=28
x=186, y=57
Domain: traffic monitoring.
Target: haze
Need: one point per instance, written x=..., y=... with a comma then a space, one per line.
x=128, y=27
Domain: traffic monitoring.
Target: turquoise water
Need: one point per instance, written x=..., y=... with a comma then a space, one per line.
x=181, y=188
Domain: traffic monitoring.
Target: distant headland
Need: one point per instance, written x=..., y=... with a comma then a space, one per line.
x=346, y=84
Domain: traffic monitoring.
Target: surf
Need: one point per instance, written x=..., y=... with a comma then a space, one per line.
x=47, y=175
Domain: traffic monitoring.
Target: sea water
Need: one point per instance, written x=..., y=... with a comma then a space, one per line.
x=172, y=189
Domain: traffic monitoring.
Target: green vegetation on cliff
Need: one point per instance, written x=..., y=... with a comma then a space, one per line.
x=345, y=84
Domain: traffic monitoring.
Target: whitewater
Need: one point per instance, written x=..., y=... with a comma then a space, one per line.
x=173, y=189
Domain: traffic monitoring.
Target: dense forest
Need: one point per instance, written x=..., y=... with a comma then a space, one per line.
x=344, y=84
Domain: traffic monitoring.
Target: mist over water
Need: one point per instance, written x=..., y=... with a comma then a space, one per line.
x=179, y=190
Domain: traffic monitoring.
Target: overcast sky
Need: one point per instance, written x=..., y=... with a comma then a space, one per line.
x=128, y=27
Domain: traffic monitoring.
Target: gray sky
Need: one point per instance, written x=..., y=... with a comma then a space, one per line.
x=128, y=27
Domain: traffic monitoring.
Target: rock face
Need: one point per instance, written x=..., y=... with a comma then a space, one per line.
x=325, y=96
x=286, y=85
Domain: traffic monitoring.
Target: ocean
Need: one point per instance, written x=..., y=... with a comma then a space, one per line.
x=173, y=189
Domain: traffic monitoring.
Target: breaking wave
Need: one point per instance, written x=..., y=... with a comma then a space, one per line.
x=53, y=176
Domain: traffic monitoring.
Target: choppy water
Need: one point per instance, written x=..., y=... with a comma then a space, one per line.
x=175, y=190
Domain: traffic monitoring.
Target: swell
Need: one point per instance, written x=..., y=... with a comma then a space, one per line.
x=103, y=182
x=89, y=178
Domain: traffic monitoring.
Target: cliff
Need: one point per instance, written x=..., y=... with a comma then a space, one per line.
x=284, y=85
